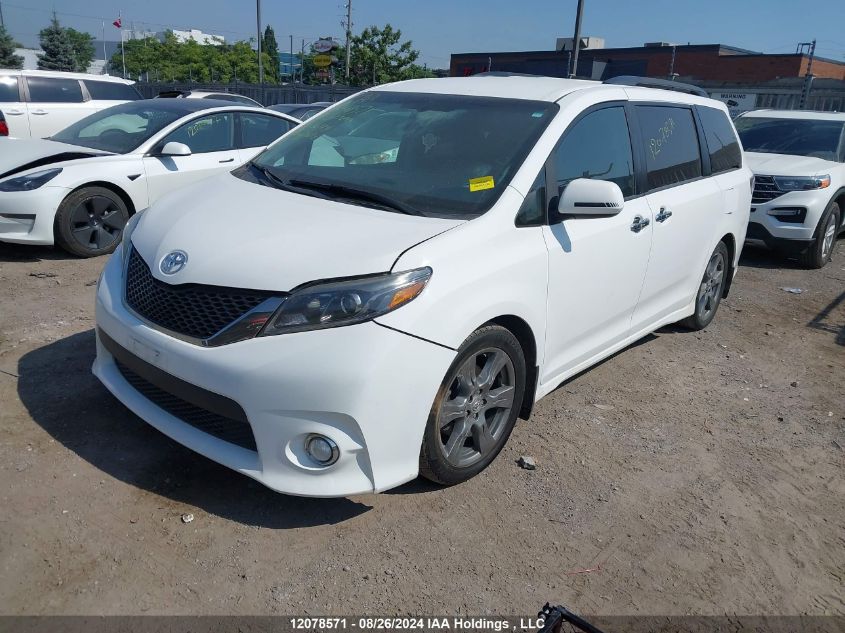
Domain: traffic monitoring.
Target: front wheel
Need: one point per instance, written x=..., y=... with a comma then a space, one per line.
x=821, y=250
x=710, y=291
x=476, y=407
x=90, y=222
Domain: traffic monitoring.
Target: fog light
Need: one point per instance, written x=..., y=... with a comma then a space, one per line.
x=321, y=449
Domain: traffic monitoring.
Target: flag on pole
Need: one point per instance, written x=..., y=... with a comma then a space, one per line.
x=118, y=23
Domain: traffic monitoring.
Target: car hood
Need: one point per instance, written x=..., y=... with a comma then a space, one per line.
x=245, y=235
x=19, y=155
x=787, y=164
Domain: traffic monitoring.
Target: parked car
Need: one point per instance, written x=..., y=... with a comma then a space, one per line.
x=338, y=329
x=301, y=111
x=78, y=188
x=39, y=103
x=798, y=159
x=204, y=94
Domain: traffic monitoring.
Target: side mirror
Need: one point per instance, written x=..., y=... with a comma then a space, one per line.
x=584, y=197
x=175, y=149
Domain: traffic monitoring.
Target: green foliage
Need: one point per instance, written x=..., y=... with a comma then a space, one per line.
x=83, y=48
x=8, y=59
x=57, y=45
x=270, y=46
x=379, y=56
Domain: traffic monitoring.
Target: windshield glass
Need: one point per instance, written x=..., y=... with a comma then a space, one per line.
x=119, y=129
x=800, y=137
x=426, y=154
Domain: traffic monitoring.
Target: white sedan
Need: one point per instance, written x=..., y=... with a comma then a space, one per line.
x=78, y=188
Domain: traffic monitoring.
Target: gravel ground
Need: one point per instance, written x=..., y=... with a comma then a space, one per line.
x=694, y=473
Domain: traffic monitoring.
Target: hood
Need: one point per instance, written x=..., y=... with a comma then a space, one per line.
x=19, y=155
x=787, y=164
x=245, y=235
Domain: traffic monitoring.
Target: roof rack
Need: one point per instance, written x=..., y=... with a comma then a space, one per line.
x=662, y=84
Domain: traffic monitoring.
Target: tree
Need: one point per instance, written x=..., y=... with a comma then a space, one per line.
x=377, y=56
x=83, y=49
x=270, y=46
x=8, y=59
x=58, y=48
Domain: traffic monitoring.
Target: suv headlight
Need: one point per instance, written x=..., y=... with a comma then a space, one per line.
x=789, y=183
x=337, y=303
x=30, y=181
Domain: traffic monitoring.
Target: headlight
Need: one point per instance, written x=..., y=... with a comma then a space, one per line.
x=337, y=303
x=789, y=183
x=126, y=240
x=30, y=181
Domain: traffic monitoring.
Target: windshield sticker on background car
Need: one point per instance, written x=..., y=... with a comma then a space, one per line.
x=663, y=134
x=480, y=184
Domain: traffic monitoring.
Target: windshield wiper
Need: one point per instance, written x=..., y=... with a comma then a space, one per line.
x=351, y=193
x=285, y=185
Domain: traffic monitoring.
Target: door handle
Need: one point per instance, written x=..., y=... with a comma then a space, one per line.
x=40, y=112
x=14, y=112
x=663, y=215
x=639, y=223
x=227, y=160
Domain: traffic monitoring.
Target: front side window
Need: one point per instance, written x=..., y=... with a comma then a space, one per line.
x=9, y=89
x=260, y=130
x=597, y=146
x=798, y=137
x=418, y=153
x=533, y=209
x=672, y=152
x=212, y=133
x=54, y=90
x=722, y=144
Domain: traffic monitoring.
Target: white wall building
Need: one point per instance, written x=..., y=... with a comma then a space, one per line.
x=198, y=36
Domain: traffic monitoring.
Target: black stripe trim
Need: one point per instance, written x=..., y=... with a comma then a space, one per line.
x=420, y=338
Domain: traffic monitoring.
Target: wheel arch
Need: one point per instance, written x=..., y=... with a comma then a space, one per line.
x=729, y=241
x=105, y=184
x=525, y=335
x=839, y=198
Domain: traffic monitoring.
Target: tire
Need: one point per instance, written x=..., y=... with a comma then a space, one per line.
x=710, y=291
x=90, y=222
x=464, y=433
x=821, y=250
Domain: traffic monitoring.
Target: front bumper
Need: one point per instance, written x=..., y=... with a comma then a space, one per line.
x=367, y=387
x=782, y=233
x=27, y=217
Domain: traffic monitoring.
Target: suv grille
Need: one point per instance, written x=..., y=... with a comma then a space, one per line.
x=229, y=430
x=192, y=310
x=765, y=190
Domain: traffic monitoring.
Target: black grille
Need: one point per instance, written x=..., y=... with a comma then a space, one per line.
x=765, y=190
x=229, y=430
x=191, y=309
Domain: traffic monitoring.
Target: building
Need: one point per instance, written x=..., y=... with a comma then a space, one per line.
x=712, y=62
x=198, y=36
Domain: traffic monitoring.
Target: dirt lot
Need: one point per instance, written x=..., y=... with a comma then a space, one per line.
x=701, y=471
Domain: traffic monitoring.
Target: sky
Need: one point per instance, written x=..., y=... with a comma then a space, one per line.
x=441, y=27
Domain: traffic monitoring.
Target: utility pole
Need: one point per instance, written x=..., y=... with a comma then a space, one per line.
x=302, y=63
x=348, y=35
x=2, y=23
x=808, y=76
x=576, y=41
x=672, y=65
x=291, y=65
x=260, y=62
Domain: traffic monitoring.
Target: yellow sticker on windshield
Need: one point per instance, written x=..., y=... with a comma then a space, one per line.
x=480, y=184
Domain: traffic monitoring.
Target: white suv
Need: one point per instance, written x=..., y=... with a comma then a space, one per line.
x=379, y=296
x=39, y=103
x=798, y=159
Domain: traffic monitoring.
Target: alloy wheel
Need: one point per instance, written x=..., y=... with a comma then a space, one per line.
x=711, y=286
x=828, y=238
x=96, y=223
x=475, y=411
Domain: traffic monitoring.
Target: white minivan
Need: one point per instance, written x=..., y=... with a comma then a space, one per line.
x=384, y=290
x=39, y=103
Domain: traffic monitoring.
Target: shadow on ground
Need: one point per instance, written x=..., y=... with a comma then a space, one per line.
x=822, y=321
x=31, y=253
x=63, y=397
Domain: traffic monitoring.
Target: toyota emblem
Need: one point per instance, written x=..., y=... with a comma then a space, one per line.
x=173, y=262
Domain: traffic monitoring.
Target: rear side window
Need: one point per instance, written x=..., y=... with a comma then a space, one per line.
x=722, y=144
x=54, y=90
x=598, y=146
x=672, y=152
x=259, y=130
x=9, y=89
x=111, y=91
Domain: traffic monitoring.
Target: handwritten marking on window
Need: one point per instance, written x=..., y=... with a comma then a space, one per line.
x=197, y=127
x=664, y=133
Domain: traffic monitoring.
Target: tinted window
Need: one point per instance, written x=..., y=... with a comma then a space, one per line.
x=598, y=146
x=725, y=152
x=213, y=133
x=258, y=130
x=9, y=89
x=230, y=97
x=111, y=91
x=533, y=209
x=671, y=145
x=54, y=90
x=799, y=137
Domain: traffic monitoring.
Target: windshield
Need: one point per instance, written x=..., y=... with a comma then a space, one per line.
x=799, y=137
x=426, y=154
x=119, y=129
